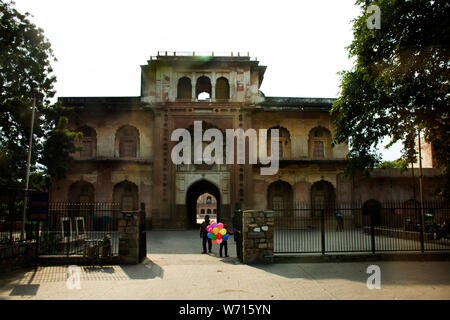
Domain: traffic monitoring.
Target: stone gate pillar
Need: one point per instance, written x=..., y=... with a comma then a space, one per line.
x=257, y=233
x=129, y=237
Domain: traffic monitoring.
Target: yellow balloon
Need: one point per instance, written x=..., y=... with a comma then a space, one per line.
x=223, y=231
x=215, y=230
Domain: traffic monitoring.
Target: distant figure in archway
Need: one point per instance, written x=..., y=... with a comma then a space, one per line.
x=339, y=221
x=204, y=235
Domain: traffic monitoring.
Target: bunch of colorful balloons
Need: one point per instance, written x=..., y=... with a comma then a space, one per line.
x=216, y=232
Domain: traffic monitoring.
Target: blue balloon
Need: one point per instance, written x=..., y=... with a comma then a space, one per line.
x=209, y=235
x=225, y=237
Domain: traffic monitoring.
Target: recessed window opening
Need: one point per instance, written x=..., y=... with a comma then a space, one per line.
x=203, y=88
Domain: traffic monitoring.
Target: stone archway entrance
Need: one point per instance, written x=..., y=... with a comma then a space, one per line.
x=195, y=190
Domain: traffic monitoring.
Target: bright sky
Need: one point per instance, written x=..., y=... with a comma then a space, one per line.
x=101, y=44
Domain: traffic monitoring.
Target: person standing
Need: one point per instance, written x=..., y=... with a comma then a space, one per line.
x=237, y=226
x=224, y=243
x=204, y=235
x=340, y=221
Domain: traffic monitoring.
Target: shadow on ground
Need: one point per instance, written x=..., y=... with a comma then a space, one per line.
x=26, y=282
x=99, y=269
x=392, y=272
x=13, y=281
x=24, y=290
x=143, y=271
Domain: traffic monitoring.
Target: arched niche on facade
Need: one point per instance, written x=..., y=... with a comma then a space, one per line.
x=222, y=89
x=203, y=88
x=280, y=196
x=126, y=194
x=284, y=142
x=323, y=197
x=319, y=143
x=127, y=142
x=184, y=89
x=81, y=192
x=87, y=143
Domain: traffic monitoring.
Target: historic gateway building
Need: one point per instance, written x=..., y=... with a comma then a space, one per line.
x=126, y=147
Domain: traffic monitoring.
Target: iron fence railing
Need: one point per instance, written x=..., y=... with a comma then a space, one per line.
x=68, y=229
x=355, y=227
x=75, y=228
x=11, y=216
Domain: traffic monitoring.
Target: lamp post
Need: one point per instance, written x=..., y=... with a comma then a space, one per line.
x=422, y=218
x=27, y=177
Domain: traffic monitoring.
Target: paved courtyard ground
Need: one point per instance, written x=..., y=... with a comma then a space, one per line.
x=176, y=269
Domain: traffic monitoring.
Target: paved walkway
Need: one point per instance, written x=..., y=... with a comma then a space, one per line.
x=175, y=269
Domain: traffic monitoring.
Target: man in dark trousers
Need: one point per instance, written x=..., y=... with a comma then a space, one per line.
x=340, y=221
x=224, y=243
x=237, y=229
x=204, y=235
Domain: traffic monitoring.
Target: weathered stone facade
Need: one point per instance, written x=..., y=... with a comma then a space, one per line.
x=127, y=144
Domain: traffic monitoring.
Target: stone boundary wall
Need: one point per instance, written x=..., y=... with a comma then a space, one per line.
x=257, y=236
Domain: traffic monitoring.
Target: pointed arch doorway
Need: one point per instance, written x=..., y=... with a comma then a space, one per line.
x=279, y=196
x=193, y=193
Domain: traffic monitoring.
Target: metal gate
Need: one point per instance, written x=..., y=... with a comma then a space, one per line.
x=142, y=234
x=356, y=227
x=80, y=229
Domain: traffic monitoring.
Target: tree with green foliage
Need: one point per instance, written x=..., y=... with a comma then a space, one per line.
x=60, y=141
x=26, y=72
x=397, y=164
x=398, y=85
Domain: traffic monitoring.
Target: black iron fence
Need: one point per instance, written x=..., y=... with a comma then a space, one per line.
x=87, y=229
x=355, y=227
x=142, y=234
x=11, y=214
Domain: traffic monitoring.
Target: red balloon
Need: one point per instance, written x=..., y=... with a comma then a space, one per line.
x=219, y=236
